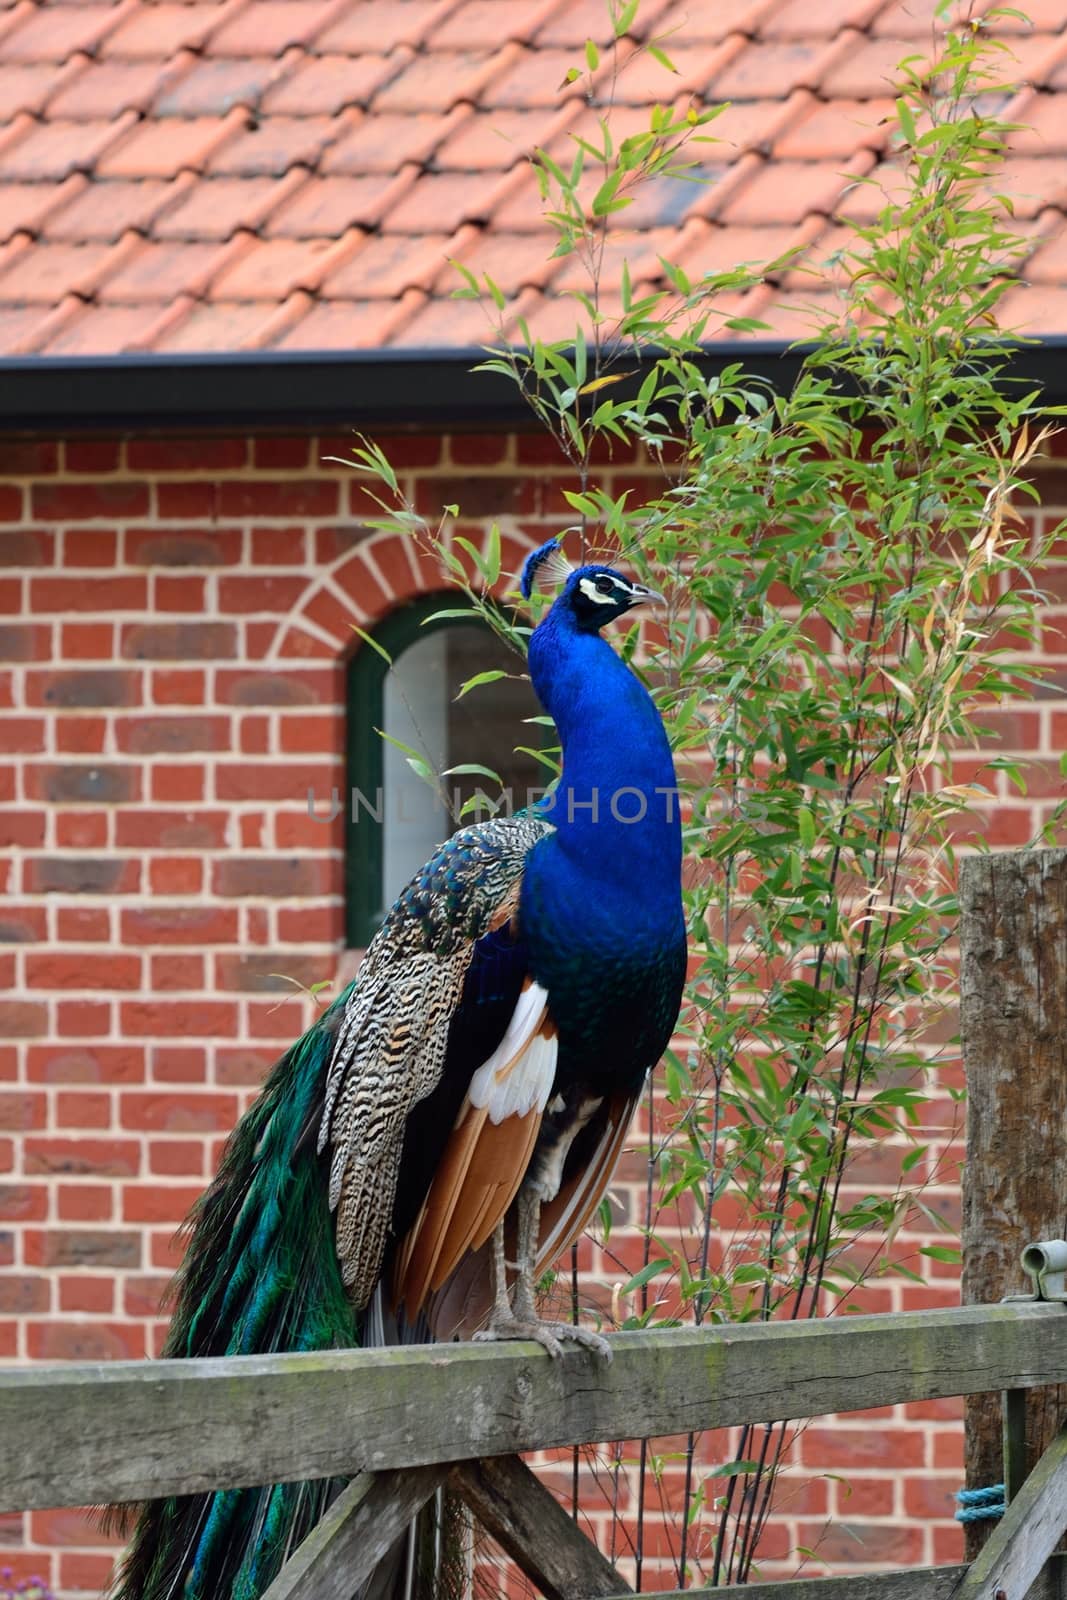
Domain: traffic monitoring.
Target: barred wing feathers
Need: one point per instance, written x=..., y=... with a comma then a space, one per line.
x=393, y=1040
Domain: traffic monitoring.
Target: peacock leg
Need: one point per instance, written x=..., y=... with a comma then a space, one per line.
x=519, y=1319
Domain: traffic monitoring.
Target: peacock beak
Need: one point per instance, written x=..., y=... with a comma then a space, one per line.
x=646, y=597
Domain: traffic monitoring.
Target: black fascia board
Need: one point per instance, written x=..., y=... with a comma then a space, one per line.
x=298, y=390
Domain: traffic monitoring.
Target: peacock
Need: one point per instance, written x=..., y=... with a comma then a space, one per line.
x=449, y=1125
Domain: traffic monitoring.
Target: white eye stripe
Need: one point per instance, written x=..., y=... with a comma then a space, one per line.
x=591, y=592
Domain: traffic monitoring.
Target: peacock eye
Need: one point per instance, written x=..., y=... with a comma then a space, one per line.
x=605, y=586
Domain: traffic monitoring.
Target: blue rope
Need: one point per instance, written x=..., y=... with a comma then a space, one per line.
x=976, y=1505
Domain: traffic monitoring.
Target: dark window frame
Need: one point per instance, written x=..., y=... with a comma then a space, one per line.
x=366, y=673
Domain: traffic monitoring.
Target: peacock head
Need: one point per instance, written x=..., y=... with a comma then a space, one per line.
x=592, y=596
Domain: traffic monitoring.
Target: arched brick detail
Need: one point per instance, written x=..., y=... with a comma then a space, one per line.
x=363, y=585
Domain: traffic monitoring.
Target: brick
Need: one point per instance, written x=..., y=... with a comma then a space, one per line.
x=85, y=1341
x=87, y=688
x=156, y=1203
x=87, y=641
x=288, y=782
x=170, y=830
x=179, y=1113
x=94, y=1296
x=179, y=594
x=83, y=1247
x=27, y=547
x=176, y=875
x=92, y=455
x=312, y=735
x=177, y=1158
x=186, y=455
x=303, y=497
x=267, y=877
x=82, y=830
x=83, y=1157
x=21, y=1295
x=178, y=1018
x=160, y=734
x=83, y=1019
x=173, y=1063
x=83, y=1063
x=82, y=1108
x=84, y=502
x=162, y=924
x=272, y=594
x=190, y=547
x=268, y=688
x=87, y=875
x=95, y=783
x=180, y=641
x=22, y=1202
x=22, y=1019
x=238, y=1065
x=281, y=972
x=80, y=736
x=22, y=736
x=178, y=688
x=90, y=547
x=175, y=971
x=82, y=970
x=22, y=830
x=172, y=784
x=144, y=1296
x=84, y=1202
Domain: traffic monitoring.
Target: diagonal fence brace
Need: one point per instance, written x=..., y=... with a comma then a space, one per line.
x=535, y=1531
x=1027, y=1535
x=361, y=1527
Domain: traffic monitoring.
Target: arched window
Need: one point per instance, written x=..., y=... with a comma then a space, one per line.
x=395, y=820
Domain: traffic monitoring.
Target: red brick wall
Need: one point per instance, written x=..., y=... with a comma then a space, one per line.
x=176, y=614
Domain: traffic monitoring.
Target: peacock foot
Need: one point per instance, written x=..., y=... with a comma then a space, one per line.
x=549, y=1335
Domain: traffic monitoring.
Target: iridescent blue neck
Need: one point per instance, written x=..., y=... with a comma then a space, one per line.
x=615, y=805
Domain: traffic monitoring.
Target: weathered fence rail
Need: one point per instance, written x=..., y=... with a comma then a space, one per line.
x=400, y=1422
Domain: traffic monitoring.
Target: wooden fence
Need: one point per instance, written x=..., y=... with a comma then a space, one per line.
x=401, y=1422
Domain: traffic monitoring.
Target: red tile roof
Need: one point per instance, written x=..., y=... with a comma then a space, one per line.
x=245, y=174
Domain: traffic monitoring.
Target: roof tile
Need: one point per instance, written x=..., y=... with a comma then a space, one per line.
x=437, y=82
x=271, y=26
x=774, y=69
x=349, y=324
x=534, y=78
x=25, y=207
x=490, y=141
x=513, y=262
x=273, y=145
x=441, y=324
x=26, y=87
x=103, y=88
x=160, y=271
x=212, y=88
x=326, y=207
x=43, y=275
x=389, y=265
x=571, y=24
x=789, y=191
x=98, y=330
x=56, y=149
x=215, y=208
x=385, y=141
x=473, y=21
x=273, y=269
x=835, y=128
x=55, y=33
x=157, y=32
x=817, y=19
x=160, y=149
x=106, y=210
x=1037, y=308
x=380, y=25
x=441, y=201
x=326, y=84
x=219, y=325
x=257, y=141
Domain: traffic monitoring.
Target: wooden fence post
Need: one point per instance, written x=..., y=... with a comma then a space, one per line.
x=1013, y=1021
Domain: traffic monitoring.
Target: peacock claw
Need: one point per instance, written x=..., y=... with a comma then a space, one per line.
x=549, y=1335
